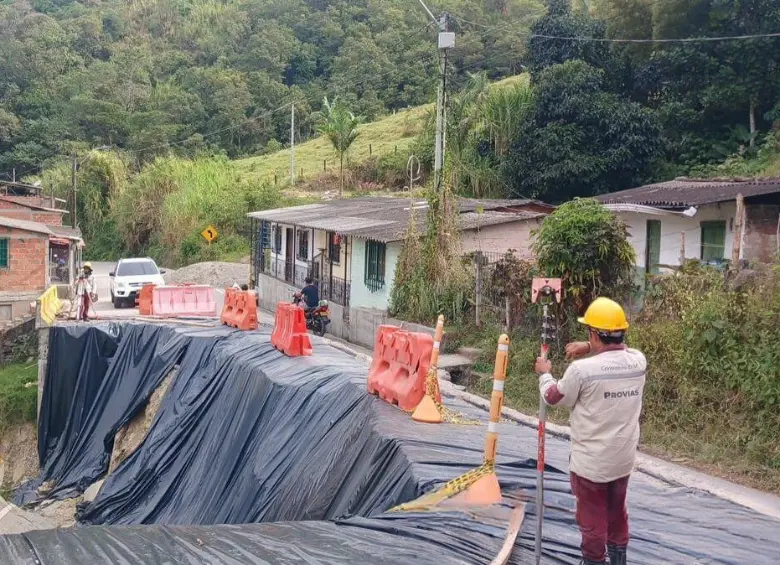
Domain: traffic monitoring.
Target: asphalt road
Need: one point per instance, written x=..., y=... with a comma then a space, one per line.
x=104, y=307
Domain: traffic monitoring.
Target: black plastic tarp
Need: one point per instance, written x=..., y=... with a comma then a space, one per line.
x=247, y=435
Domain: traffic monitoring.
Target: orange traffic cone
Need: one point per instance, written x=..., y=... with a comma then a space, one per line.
x=427, y=411
x=483, y=492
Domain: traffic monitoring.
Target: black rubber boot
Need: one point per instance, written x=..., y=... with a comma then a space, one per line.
x=617, y=555
x=589, y=562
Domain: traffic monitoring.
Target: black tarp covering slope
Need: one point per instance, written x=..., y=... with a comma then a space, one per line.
x=245, y=435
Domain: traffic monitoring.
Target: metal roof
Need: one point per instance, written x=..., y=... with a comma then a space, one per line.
x=387, y=219
x=683, y=192
x=24, y=225
x=66, y=232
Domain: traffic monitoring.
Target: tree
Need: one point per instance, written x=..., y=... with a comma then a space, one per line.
x=562, y=22
x=581, y=140
x=587, y=246
x=339, y=126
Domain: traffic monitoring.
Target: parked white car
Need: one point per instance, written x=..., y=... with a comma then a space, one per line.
x=129, y=276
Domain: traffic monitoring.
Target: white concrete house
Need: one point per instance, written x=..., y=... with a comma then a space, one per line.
x=351, y=248
x=695, y=219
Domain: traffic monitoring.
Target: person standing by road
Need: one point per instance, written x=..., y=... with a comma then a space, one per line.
x=603, y=387
x=86, y=292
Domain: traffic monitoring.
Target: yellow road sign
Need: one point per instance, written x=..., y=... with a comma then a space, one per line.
x=209, y=234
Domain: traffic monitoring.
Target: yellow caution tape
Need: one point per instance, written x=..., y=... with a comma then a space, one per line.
x=448, y=490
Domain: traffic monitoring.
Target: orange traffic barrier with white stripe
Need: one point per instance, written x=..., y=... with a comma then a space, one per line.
x=486, y=490
x=478, y=487
x=290, y=335
x=400, y=366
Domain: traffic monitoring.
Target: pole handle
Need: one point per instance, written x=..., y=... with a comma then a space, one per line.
x=545, y=351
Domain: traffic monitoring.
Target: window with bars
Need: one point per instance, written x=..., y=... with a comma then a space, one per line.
x=303, y=245
x=334, y=247
x=4, y=258
x=277, y=239
x=375, y=265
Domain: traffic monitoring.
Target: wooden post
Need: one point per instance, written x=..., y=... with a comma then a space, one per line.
x=324, y=164
x=736, y=247
x=478, y=306
x=778, y=235
x=682, y=248
x=370, y=149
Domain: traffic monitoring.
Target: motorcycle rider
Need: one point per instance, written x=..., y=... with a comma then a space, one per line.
x=86, y=292
x=311, y=294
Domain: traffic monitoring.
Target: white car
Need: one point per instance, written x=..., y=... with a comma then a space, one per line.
x=129, y=276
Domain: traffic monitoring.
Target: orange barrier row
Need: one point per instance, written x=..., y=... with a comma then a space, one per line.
x=400, y=366
x=290, y=335
x=239, y=310
x=189, y=300
x=144, y=300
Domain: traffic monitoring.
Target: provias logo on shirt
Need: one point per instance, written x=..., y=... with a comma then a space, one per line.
x=621, y=394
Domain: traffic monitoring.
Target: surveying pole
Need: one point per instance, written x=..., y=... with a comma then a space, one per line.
x=446, y=42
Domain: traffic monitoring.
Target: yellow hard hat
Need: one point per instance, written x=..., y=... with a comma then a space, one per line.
x=88, y=265
x=606, y=315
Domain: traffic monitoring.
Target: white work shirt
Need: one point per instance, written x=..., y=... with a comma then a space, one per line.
x=86, y=285
x=605, y=394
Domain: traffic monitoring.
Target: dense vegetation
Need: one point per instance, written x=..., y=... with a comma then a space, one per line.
x=219, y=75
x=600, y=116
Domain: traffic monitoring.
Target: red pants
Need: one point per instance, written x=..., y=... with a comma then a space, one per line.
x=84, y=301
x=601, y=515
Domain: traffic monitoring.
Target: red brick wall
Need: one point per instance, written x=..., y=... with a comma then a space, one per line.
x=761, y=231
x=30, y=215
x=27, y=261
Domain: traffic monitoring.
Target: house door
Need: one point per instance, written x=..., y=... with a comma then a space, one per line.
x=653, y=247
x=289, y=256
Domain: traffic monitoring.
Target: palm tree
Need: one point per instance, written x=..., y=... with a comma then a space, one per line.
x=339, y=125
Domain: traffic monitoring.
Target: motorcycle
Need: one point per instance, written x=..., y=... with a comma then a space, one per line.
x=317, y=319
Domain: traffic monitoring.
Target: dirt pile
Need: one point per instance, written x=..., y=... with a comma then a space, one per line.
x=129, y=437
x=18, y=455
x=216, y=274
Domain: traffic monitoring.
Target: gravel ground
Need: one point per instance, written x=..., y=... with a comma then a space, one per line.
x=219, y=275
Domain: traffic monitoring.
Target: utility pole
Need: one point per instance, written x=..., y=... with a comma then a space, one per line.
x=292, y=144
x=446, y=42
x=73, y=189
x=13, y=177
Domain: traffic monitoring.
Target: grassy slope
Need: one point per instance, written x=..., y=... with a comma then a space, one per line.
x=383, y=136
x=18, y=404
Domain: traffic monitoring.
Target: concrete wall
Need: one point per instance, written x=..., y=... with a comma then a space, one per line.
x=362, y=296
x=672, y=228
x=502, y=238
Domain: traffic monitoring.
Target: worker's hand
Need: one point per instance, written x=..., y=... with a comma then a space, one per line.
x=577, y=349
x=543, y=365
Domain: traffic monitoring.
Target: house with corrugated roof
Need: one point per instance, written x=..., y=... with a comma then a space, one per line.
x=350, y=247
x=36, y=250
x=684, y=218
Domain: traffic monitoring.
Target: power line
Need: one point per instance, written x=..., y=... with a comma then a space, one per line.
x=679, y=40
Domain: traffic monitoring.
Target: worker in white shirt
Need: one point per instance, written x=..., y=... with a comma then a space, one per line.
x=604, y=391
x=86, y=292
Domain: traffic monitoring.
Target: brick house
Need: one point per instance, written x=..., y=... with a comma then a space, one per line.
x=36, y=250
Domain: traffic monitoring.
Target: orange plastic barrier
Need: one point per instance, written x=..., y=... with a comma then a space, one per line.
x=290, y=335
x=239, y=310
x=145, y=300
x=173, y=301
x=400, y=366
x=228, y=315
